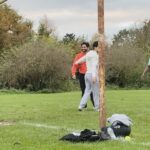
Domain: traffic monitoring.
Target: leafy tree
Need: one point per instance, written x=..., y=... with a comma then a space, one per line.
x=2, y=1
x=143, y=37
x=14, y=31
x=73, y=42
x=127, y=55
x=69, y=37
x=46, y=28
x=138, y=37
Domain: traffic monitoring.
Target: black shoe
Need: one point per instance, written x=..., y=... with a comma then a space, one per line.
x=79, y=109
x=85, y=106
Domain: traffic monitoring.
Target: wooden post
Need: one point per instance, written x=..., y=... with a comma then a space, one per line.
x=102, y=116
x=2, y=1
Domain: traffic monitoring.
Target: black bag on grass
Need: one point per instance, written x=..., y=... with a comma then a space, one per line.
x=86, y=136
x=120, y=129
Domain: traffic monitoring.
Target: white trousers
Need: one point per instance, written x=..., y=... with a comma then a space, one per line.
x=90, y=87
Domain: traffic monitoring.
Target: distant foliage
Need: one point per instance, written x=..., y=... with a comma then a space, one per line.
x=14, y=30
x=136, y=37
x=73, y=43
x=36, y=66
x=42, y=62
x=124, y=66
x=128, y=55
x=46, y=28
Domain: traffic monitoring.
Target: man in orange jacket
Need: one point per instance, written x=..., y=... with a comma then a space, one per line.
x=81, y=68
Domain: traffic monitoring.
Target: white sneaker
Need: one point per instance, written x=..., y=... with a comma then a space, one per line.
x=80, y=108
x=97, y=109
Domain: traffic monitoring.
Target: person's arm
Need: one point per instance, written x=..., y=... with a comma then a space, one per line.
x=147, y=68
x=81, y=60
x=94, y=68
x=74, y=67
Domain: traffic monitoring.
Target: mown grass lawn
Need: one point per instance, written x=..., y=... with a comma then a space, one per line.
x=39, y=120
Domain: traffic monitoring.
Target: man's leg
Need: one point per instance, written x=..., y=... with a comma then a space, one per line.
x=95, y=90
x=86, y=93
x=91, y=98
x=82, y=85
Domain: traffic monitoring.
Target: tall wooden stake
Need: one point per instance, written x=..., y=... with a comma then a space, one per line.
x=102, y=116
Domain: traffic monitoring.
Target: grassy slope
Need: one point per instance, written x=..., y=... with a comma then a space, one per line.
x=60, y=110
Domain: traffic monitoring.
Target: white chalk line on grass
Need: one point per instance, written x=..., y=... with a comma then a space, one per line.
x=146, y=144
x=142, y=143
x=4, y=123
x=39, y=125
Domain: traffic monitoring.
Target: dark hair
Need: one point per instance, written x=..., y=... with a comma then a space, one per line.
x=95, y=44
x=85, y=43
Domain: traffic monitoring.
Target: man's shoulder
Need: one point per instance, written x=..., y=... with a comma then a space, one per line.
x=80, y=54
x=91, y=53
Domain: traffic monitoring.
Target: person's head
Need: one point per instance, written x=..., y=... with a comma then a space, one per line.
x=95, y=45
x=85, y=46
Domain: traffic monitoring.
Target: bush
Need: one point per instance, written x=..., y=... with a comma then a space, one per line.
x=36, y=66
x=124, y=65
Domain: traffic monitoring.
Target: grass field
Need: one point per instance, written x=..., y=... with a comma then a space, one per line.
x=37, y=121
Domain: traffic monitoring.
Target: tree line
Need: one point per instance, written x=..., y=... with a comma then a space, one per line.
x=41, y=61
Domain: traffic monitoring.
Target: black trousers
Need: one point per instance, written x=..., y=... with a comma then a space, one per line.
x=82, y=86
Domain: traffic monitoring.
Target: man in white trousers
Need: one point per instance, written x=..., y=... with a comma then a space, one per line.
x=91, y=77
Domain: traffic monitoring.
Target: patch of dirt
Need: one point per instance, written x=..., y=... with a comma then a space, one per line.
x=6, y=123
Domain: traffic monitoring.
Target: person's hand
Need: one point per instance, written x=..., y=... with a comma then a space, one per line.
x=74, y=77
x=94, y=79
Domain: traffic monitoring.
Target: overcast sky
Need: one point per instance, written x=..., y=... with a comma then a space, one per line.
x=80, y=16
